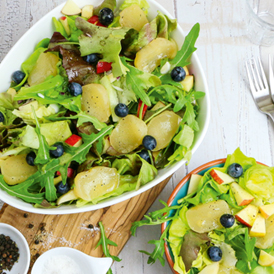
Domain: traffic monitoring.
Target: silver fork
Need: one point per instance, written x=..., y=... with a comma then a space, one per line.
x=271, y=76
x=259, y=88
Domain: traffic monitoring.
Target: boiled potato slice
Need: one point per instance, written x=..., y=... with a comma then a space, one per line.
x=16, y=170
x=150, y=56
x=163, y=128
x=133, y=17
x=128, y=134
x=206, y=217
x=45, y=66
x=268, y=240
x=95, y=101
x=95, y=182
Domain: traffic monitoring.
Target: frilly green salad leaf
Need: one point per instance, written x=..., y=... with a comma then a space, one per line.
x=143, y=4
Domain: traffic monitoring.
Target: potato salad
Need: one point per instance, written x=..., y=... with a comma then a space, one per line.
x=98, y=108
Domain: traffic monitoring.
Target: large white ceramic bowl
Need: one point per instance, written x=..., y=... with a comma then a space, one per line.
x=44, y=28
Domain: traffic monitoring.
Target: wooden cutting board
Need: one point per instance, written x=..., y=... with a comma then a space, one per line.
x=80, y=231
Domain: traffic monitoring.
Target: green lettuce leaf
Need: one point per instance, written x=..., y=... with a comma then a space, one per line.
x=111, y=4
x=6, y=101
x=139, y=82
x=143, y=4
x=165, y=25
x=103, y=41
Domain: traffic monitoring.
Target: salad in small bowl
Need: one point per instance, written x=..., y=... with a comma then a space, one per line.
x=222, y=221
x=111, y=103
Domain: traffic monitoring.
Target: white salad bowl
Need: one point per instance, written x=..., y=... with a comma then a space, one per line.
x=43, y=29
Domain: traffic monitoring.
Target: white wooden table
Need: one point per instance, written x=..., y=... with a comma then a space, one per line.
x=235, y=121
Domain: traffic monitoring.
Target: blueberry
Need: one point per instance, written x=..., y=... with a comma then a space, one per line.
x=178, y=74
x=2, y=117
x=214, y=253
x=145, y=155
x=75, y=89
x=62, y=188
x=30, y=158
x=121, y=110
x=235, y=170
x=92, y=58
x=18, y=76
x=106, y=16
x=227, y=220
x=149, y=142
x=58, y=152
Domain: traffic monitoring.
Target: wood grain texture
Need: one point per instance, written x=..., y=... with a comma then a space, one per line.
x=44, y=232
x=235, y=121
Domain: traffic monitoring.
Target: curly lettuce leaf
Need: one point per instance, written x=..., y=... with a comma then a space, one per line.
x=103, y=41
x=165, y=25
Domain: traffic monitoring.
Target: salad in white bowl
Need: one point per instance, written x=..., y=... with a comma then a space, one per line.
x=99, y=107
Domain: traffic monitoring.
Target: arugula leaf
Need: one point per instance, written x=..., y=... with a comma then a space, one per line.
x=82, y=118
x=183, y=55
x=104, y=242
x=139, y=82
x=42, y=156
x=21, y=191
x=154, y=218
x=158, y=252
x=50, y=92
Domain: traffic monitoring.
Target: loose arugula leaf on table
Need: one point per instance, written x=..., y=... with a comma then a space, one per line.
x=104, y=242
x=158, y=252
x=139, y=82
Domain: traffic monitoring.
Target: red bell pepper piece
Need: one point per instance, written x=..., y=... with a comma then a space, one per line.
x=139, y=109
x=95, y=20
x=70, y=173
x=103, y=67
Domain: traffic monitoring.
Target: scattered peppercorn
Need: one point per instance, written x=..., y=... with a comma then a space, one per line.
x=90, y=226
x=26, y=215
x=36, y=242
x=9, y=253
x=30, y=226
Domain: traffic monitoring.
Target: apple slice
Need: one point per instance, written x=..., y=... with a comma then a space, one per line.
x=194, y=182
x=258, y=229
x=248, y=215
x=64, y=22
x=221, y=177
x=211, y=269
x=69, y=196
x=241, y=196
x=70, y=8
x=74, y=140
x=87, y=11
x=265, y=259
x=267, y=210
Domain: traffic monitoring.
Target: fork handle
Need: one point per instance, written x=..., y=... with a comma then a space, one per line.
x=271, y=115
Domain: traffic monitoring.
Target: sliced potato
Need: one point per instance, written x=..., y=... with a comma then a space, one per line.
x=206, y=217
x=128, y=134
x=45, y=66
x=188, y=83
x=150, y=56
x=95, y=182
x=133, y=17
x=16, y=170
x=69, y=196
x=163, y=128
x=95, y=101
